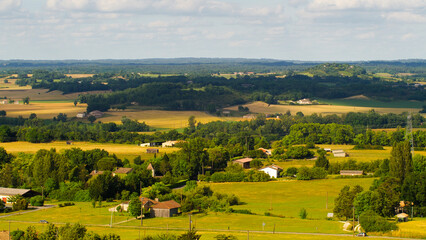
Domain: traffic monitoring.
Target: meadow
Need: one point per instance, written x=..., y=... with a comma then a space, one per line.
x=281, y=198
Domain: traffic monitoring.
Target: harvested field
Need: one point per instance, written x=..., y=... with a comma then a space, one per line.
x=43, y=109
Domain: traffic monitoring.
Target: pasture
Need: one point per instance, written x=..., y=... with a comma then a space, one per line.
x=284, y=198
x=121, y=150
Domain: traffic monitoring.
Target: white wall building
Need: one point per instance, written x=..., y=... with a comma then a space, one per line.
x=273, y=171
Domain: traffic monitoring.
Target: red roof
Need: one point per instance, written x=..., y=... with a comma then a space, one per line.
x=244, y=160
x=166, y=205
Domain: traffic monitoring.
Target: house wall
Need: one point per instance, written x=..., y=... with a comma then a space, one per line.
x=271, y=172
x=4, y=198
x=165, y=213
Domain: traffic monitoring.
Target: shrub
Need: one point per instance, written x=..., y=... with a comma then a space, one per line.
x=303, y=213
x=318, y=173
x=17, y=235
x=37, y=201
x=372, y=222
x=291, y=171
x=304, y=173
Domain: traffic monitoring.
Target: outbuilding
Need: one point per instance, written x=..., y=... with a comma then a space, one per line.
x=6, y=193
x=273, y=170
x=165, y=209
x=244, y=162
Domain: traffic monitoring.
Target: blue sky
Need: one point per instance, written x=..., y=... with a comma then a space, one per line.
x=287, y=29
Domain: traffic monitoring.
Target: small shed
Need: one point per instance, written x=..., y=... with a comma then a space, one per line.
x=339, y=153
x=244, y=162
x=402, y=217
x=5, y=193
x=165, y=209
x=304, y=101
x=273, y=170
x=351, y=172
x=152, y=150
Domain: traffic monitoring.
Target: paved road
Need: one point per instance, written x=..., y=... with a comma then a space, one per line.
x=30, y=210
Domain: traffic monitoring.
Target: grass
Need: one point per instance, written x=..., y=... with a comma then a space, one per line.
x=287, y=199
x=121, y=150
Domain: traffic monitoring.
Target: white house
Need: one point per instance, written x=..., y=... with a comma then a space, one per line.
x=272, y=170
x=169, y=143
x=304, y=101
x=124, y=207
x=81, y=115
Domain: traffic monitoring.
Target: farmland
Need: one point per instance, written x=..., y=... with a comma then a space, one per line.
x=281, y=198
x=121, y=150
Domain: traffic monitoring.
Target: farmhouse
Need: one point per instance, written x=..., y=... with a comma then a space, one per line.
x=402, y=217
x=169, y=143
x=124, y=206
x=3, y=101
x=151, y=168
x=249, y=116
x=266, y=151
x=5, y=193
x=273, y=170
x=304, y=101
x=165, y=209
x=96, y=172
x=152, y=150
x=339, y=153
x=81, y=115
x=351, y=173
x=122, y=171
x=151, y=144
x=244, y=162
x=96, y=114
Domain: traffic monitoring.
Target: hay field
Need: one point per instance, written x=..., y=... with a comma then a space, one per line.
x=45, y=110
x=77, y=75
x=163, y=119
x=260, y=107
x=42, y=94
x=129, y=151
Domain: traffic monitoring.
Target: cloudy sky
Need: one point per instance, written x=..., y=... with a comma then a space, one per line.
x=280, y=29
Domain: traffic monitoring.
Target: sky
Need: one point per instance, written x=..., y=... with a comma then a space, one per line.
x=308, y=30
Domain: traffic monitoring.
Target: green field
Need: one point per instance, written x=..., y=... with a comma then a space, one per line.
x=373, y=103
x=284, y=198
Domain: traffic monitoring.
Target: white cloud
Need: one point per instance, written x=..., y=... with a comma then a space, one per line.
x=367, y=35
x=321, y=5
x=408, y=36
x=8, y=5
x=405, y=17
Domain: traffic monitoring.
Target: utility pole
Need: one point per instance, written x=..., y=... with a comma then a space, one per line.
x=190, y=221
x=110, y=222
x=9, y=230
x=353, y=221
x=410, y=132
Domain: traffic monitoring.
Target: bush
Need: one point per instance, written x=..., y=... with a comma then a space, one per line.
x=291, y=171
x=299, y=152
x=37, y=201
x=304, y=173
x=303, y=213
x=82, y=196
x=256, y=163
x=20, y=204
x=318, y=173
x=17, y=235
x=372, y=222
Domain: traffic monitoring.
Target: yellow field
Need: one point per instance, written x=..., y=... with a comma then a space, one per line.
x=79, y=75
x=10, y=85
x=163, y=119
x=121, y=150
x=43, y=109
x=261, y=107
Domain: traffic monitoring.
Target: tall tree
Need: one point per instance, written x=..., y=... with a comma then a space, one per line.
x=401, y=163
